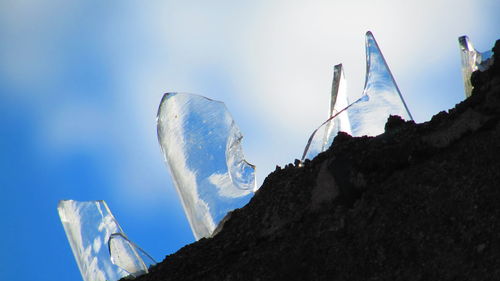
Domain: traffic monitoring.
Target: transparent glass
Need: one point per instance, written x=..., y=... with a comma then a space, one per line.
x=338, y=101
x=368, y=114
x=472, y=60
x=201, y=144
x=90, y=228
x=128, y=256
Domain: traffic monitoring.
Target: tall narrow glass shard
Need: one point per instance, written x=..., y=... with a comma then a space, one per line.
x=368, y=114
x=89, y=226
x=472, y=60
x=201, y=144
x=338, y=101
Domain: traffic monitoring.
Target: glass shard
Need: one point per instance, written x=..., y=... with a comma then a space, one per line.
x=201, y=144
x=472, y=60
x=383, y=95
x=128, y=256
x=338, y=101
x=89, y=226
x=368, y=114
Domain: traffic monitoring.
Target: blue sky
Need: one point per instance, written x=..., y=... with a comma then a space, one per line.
x=80, y=82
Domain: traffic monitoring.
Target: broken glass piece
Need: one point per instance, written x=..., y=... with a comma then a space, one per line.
x=338, y=101
x=384, y=98
x=89, y=226
x=368, y=114
x=201, y=144
x=313, y=136
x=128, y=256
x=472, y=60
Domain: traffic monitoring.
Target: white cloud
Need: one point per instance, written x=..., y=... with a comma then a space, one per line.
x=278, y=58
x=275, y=58
x=226, y=187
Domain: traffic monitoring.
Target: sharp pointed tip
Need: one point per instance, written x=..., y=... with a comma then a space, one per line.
x=463, y=39
x=465, y=43
x=162, y=102
x=62, y=201
x=164, y=97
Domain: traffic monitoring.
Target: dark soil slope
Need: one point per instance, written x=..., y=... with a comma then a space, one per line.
x=419, y=202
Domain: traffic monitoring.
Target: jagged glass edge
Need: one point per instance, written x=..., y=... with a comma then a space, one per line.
x=382, y=94
x=111, y=272
x=472, y=60
x=209, y=229
x=338, y=101
x=369, y=37
x=369, y=71
x=309, y=141
x=369, y=80
x=138, y=251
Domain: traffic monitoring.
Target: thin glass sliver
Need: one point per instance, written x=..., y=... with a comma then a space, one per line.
x=338, y=102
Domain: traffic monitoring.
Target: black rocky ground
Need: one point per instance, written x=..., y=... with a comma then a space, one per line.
x=419, y=202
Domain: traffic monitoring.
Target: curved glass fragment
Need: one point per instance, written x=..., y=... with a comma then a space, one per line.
x=338, y=101
x=472, y=60
x=128, y=256
x=368, y=114
x=201, y=144
x=89, y=226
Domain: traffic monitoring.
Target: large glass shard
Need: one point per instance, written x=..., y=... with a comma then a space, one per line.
x=89, y=226
x=338, y=101
x=472, y=60
x=383, y=95
x=202, y=147
x=368, y=114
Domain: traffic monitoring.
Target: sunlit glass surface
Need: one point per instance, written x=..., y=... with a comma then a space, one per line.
x=365, y=115
x=472, y=60
x=201, y=144
x=89, y=225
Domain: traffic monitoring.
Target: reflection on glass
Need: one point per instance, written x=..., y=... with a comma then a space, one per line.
x=201, y=144
x=89, y=226
x=338, y=102
x=127, y=255
x=383, y=95
x=368, y=114
x=472, y=60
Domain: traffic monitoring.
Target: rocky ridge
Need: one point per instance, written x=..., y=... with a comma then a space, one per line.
x=419, y=202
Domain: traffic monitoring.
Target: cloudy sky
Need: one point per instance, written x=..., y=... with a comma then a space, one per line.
x=80, y=83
